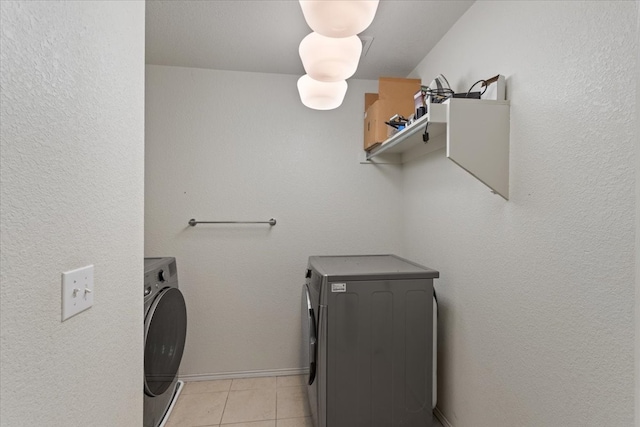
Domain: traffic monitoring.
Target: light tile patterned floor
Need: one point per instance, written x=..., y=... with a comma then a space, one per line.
x=246, y=402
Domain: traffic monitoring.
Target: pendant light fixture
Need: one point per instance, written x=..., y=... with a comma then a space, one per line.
x=331, y=53
x=342, y=18
x=321, y=95
x=329, y=59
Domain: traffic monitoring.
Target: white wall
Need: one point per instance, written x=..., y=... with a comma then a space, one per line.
x=72, y=157
x=537, y=325
x=240, y=146
x=637, y=140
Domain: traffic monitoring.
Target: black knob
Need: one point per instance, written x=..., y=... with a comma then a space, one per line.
x=162, y=276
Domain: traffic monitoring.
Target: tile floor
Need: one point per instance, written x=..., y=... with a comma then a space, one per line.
x=246, y=402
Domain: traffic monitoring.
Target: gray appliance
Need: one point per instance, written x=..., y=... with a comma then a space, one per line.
x=165, y=329
x=370, y=340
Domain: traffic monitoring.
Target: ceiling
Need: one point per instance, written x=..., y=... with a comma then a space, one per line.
x=263, y=35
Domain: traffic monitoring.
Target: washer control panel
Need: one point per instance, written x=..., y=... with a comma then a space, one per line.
x=159, y=273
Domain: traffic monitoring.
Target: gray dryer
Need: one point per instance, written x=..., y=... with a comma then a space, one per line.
x=370, y=335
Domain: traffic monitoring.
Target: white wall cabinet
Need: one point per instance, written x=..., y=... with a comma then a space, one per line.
x=476, y=135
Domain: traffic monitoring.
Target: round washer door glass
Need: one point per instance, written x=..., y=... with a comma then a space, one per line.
x=165, y=333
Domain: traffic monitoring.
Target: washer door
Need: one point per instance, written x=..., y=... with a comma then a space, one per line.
x=165, y=331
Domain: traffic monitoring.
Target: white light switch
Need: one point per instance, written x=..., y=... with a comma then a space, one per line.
x=77, y=291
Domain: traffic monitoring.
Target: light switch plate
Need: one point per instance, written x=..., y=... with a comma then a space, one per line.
x=77, y=291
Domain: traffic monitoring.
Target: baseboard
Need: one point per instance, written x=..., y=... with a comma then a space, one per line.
x=244, y=374
x=440, y=416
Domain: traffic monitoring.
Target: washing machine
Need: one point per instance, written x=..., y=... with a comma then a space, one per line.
x=165, y=330
x=369, y=326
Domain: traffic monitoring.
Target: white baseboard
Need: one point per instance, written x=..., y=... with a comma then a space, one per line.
x=244, y=374
x=440, y=416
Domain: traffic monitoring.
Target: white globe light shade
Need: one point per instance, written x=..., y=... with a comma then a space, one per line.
x=328, y=59
x=321, y=95
x=339, y=18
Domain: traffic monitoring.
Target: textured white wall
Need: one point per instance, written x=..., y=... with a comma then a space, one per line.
x=240, y=146
x=537, y=293
x=72, y=131
x=637, y=140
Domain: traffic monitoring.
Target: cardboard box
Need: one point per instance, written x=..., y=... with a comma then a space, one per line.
x=375, y=128
x=395, y=87
x=371, y=125
x=369, y=99
x=395, y=96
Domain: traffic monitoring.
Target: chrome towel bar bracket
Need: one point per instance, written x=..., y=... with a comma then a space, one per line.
x=193, y=222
